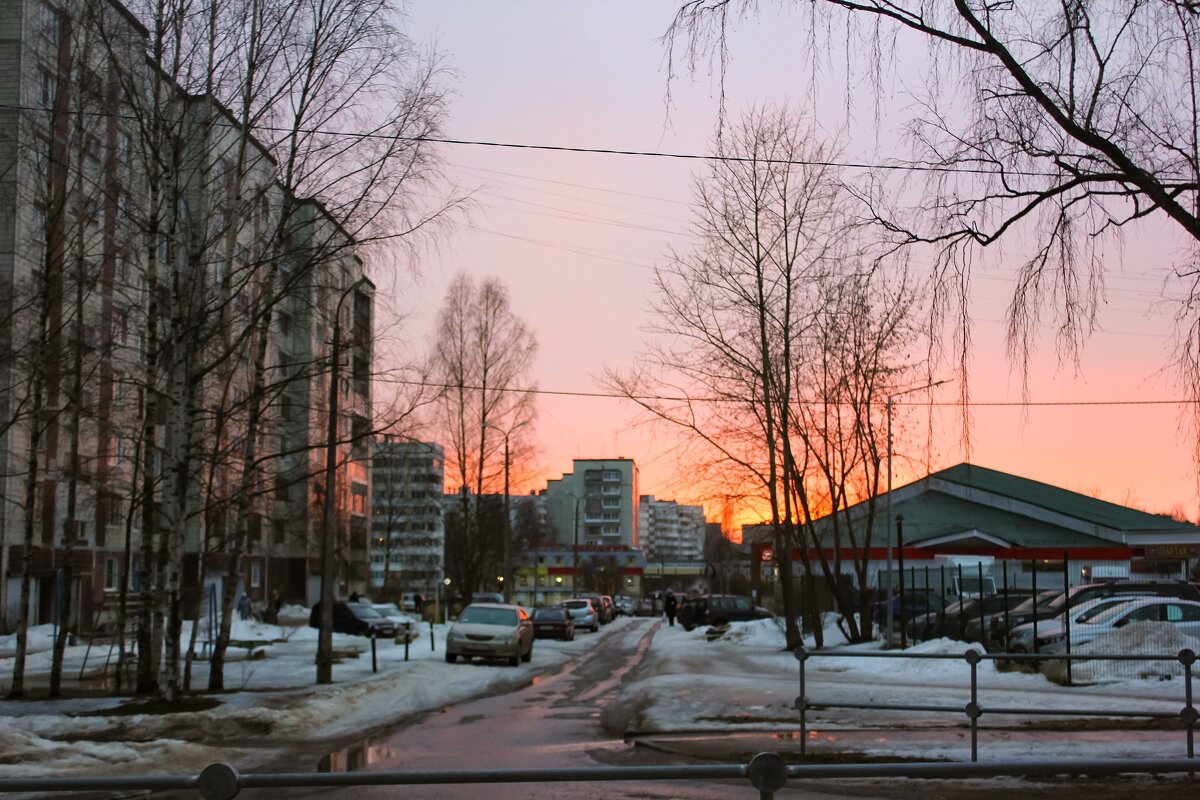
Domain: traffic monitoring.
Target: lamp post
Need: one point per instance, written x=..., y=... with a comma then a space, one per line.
x=575, y=548
x=506, y=565
x=888, y=514
x=329, y=518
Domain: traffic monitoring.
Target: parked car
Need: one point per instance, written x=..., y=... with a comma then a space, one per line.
x=717, y=609
x=603, y=612
x=491, y=630
x=990, y=629
x=553, y=623
x=487, y=597
x=1088, y=591
x=1184, y=615
x=955, y=620
x=1021, y=638
x=917, y=602
x=356, y=619
x=624, y=605
x=406, y=626
x=583, y=613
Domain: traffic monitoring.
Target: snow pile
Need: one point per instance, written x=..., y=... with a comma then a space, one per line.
x=1138, y=638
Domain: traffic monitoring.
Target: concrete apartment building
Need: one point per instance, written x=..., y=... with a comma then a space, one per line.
x=105, y=397
x=408, y=533
x=671, y=532
x=595, y=505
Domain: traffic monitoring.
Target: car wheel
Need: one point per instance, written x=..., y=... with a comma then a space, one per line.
x=528, y=655
x=451, y=658
x=595, y=627
x=515, y=661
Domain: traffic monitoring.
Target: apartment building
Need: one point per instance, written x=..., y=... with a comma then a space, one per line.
x=408, y=532
x=671, y=532
x=596, y=504
x=167, y=315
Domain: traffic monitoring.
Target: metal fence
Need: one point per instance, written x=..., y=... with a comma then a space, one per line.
x=767, y=773
x=973, y=709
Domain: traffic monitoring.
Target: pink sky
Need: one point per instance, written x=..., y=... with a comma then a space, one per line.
x=575, y=238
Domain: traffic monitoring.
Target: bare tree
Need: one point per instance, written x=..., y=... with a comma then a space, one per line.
x=1079, y=120
x=752, y=327
x=482, y=357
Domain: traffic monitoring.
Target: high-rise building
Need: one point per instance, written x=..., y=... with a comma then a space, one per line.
x=596, y=504
x=670, y=531
x=407, y=526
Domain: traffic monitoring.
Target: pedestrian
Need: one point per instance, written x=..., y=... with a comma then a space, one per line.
x=418, y=602
x=245, y=607
x=670, y=605
x=354, y=597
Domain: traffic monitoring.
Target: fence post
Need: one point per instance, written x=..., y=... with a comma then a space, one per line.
x=973, y=710
x=1066, y=614
x=1189, y=714
x=900, y=551
x=431, y=647
x=962, y=615
x=374, y=660
x=1033, y=578
x=802, y=701
x=407, y=638
x=982, y=632
x=768, y=773
x=1007, y=625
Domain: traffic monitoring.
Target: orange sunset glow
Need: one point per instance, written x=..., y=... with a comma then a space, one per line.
x=576, y=236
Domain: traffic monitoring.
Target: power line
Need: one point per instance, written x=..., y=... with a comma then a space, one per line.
x=610, y=151
x=684, y=398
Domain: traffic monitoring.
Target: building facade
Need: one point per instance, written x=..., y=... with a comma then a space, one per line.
x=671, y=532
x=165, y=337
x=407, y=526
x=596, y=504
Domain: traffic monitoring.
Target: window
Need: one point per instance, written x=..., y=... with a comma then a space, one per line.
x=112, y=574
x=255, y=574
x=49, y=87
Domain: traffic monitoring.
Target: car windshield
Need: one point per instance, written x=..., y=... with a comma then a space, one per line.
x=1115, y=612
x=1042, y=598
x=576, y=604
x=482, y=615
x=1100, y=608
x=365, y=612
x=388, y=609
x=549, y=613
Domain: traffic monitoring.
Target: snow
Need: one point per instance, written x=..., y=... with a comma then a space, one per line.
x=742, y=680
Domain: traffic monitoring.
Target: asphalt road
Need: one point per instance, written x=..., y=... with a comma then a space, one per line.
x=554, y=721
x=558, y=719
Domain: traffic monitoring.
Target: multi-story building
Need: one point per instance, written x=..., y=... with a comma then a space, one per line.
x=596, y=504
x=407, y=524
x=167, y=310
x=671, y=532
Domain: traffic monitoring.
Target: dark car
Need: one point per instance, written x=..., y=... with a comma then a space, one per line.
x=603, y=611
x=917, y=602
x=356, y=619
x=955, y=621
x=1088, y=591
x=553, y=623
x=717, y=609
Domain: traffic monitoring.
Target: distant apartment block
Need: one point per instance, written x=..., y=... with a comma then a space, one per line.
x=408, y=529
x=596, y=504
x=671, y=532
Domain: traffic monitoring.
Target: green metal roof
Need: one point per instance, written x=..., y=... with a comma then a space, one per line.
x=1073, y=504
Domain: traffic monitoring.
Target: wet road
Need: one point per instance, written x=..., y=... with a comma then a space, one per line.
x=556, y=721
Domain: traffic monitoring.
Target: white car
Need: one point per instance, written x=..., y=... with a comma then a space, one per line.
x=1183, y=614
x=405, y=625
x=491, y=630
x=1020, y=638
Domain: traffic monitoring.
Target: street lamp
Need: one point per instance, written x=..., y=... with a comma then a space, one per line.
x=888, y=514
x=575, y=548
x=329, y=520
x=506, y=566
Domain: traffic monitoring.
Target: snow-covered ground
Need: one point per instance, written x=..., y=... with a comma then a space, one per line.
x=742, y=681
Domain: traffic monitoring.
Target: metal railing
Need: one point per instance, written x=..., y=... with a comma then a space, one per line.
x=973, y=709
x=766, y=772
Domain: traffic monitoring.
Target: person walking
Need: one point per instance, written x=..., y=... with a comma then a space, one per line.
x=245, y=607
x=670, y=605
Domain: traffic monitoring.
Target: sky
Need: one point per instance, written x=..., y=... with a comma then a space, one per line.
x=741, y=682
x=575, y=238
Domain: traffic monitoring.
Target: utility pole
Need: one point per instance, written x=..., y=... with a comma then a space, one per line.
x=506, y=558
x=888, y=513
x=329, y=520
